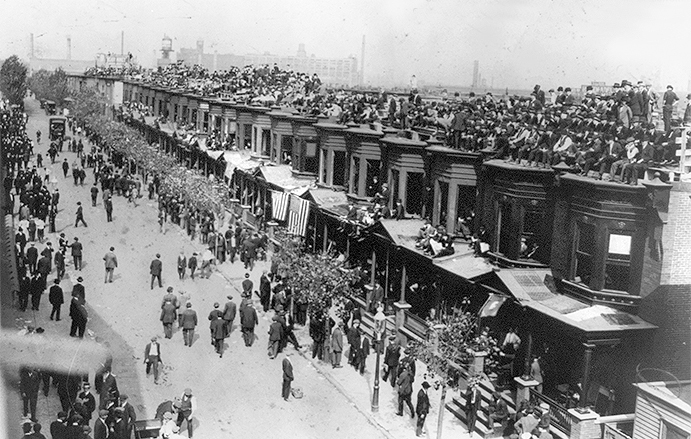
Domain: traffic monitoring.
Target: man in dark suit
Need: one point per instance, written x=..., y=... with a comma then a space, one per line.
x=30, y=382
x=80, y=215
x=109, y=390
x=473, y=400
x=248, y=321
x=56, y=298
x=287, y=376
x=129, y=414
x=78, y=290
x=275, y=336
x=58, y=427
x=152, y=356
x=229, y=312
x=88, y=400
x=155, y=269
x=101, y=429
x=32, y=257
x=405, y=389
x=119, y=425
x=391, y=357
x=59, y=260
x=265, y=291
x=168, y=317
x=188, y=322
x=422, y=407
x=247, y=286
x=218, y=333
x=79, y=317
x=77, y=250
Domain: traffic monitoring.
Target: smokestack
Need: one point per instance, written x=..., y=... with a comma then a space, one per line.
x=69, y=47
x=362, y=62
x=31, y=46
x=122, y=42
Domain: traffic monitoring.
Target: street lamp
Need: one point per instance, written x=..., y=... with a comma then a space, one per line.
x=379, y=323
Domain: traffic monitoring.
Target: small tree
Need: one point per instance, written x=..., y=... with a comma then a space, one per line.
x=451, y=345
x=38, y=83
x=13, y=80
x=57, y=87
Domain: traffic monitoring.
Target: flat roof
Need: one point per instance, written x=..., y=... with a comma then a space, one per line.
x=530, y=288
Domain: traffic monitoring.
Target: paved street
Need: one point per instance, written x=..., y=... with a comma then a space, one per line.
x=238, y=395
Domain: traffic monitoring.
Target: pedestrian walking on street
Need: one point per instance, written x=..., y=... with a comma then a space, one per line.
x=94, y=195
x=405, y=390
x=37, y=287
x=248, y=321
x=168, y=317
x=287, y=376
x=111, y=262
x=79, y=317
x=65, y=167
x=188, y=322
x=265, y=291
x=354, y=335
x=77, y=249
x=318, y=335
x=422, y=408
x=229, y=312
x=29, y=383
x=213, y=315
x=80, y=215
x=108, y=205
x=391, y=358
x=56, y=298
x=337, y=345
x=78, y=290
x=152, y=357
x=182, y=264
x=275, y=336
x=188, y=405
x=218, y=333
x=192, y=264
x=155, y=269
x=247, y=286
x=32, y=257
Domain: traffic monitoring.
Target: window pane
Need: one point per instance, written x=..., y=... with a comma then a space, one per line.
x=586, y=238
x=356, y=176
x=443, y=200
x=414, y=193
x=339, y=168
x=505, y=233
x=617, y=276
x=395, y=175
x=619, y=246
x=372, y=185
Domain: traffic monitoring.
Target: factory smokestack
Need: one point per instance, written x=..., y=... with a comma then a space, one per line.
x=69, y=47
x=122, y=42
x=31, y=46
x=362, y=62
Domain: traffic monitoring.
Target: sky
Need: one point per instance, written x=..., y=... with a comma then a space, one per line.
x=518, y=43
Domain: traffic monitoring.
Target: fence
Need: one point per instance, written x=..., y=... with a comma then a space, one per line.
x=561, y=419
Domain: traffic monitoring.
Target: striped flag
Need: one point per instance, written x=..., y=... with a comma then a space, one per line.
x=279, y=205
x=298, y=215
x=492, y=305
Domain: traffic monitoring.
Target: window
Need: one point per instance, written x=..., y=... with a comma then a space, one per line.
x=311, y=161
x=323, y=160
x=339, y=177
x=531, y=238
x=670, y=431
x=371, y=184
x=414, y=193
x=443, y=202
x=355, y=183
x=506, y=237
x=465, y=205
x=395, y=179
x=617, y=265
x=287, y=149
x=585, y=245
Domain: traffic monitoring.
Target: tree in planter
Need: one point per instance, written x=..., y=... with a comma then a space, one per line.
x=452, y=343
x=318, y=279
x=13, y=80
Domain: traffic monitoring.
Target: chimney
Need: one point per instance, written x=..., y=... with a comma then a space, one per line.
x=362, y=62
x=122, y=42
x=31, y=46
x=69, y=47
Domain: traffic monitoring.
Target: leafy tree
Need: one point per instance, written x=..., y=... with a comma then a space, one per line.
x=51, y=86
x=38, y=83
x=13, y=80
x=452, y=344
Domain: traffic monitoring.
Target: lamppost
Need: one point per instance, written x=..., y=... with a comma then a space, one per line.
x=379, y=323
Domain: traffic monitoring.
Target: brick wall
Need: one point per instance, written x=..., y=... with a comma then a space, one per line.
x=669, y=347
x=676, y=237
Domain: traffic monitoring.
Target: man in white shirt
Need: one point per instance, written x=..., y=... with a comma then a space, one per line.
x=152, y=356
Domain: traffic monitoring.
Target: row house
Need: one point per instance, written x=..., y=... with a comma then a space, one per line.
x=596, y=271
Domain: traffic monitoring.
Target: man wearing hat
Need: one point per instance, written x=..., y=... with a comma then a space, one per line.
x=88, y=400
x=101, y=429
x=111, y=262
x=275, y=337
x=337, y=345
x=218, y=333
x=32, y=257
x=77, y=253
x=119, y=426
x=192, y=264
x=78, y=290
x=79, y=316
x=229, y=312
x=213, y=315
x=155, y=268
x=248, y=321
x=168, y=317
x=188, y=405
x=170, y=297
x=129, y=414
x=152, y=356
x=247, y=286
x=391, y=358
x=188, y=322
x=422, y=407
x=80, y=215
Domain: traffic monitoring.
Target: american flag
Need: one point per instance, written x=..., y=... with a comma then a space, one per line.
x=279, y=205
x=298, y=215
